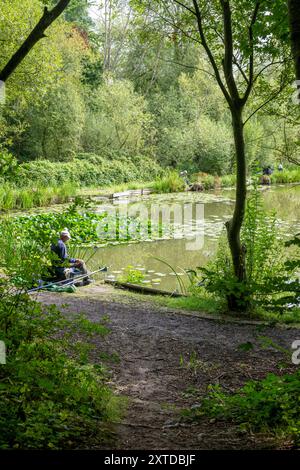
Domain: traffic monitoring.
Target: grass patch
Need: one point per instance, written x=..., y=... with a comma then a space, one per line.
x=211, y=305
x=191, y=303
x=28, y=198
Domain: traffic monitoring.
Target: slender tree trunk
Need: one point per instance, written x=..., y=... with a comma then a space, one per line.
x=294, y=19
x=238, y=251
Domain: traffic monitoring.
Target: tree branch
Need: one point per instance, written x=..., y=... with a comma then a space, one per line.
x=251, y=58
x=36, y=35
x=171, y=23
x=282, y=87
x=235, y=62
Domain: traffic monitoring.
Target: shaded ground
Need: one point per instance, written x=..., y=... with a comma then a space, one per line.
x=166, y=361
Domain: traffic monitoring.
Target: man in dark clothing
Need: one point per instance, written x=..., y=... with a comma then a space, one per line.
x=66, y=266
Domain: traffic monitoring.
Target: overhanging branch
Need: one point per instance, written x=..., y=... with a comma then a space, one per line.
x=228, y=56
x=209, y=53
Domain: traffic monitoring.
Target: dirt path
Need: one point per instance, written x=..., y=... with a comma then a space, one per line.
x=167, y=360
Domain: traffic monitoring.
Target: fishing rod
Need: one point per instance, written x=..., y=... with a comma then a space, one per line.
x=66, y=282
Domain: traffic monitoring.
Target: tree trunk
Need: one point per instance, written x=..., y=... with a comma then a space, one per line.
x=238, y=251
x=36, y=34
x=294, y=19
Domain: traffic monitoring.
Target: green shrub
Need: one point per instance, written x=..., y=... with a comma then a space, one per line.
x=51, y=396
x=171, y=183
x=268, y=277
x=208, y=181
x=86, y=227
x=8, y=165
x=48, y=399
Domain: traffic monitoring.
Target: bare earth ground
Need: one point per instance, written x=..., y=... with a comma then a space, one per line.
x=165, y=356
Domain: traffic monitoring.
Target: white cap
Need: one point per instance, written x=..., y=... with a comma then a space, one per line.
x=65, y=233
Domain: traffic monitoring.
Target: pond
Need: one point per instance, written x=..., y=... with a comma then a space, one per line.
x=196, y=221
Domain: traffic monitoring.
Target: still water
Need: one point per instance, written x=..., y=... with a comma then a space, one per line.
x=194, y=223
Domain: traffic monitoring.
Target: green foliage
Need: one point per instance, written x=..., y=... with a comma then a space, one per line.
x=49, y=400
x=17, y=252
x=269, y=283
x=44, y=228
x=154, y=98
x=170, y=183
x=188, y=138
x=8, y=165
x=27, y=198
x=287, y=176
x=54, y=129
x=117, y=121
x=87, y=170
x=270, y=404
x=17, y=20
x=86, y=227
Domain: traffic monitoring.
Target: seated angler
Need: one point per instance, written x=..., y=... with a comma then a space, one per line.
x=66, y=266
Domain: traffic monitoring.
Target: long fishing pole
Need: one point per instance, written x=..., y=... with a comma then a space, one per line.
x=68, y=282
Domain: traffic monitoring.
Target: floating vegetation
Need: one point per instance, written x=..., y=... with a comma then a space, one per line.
x=132, y=275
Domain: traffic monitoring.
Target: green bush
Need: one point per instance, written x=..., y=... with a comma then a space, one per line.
x=286, y=176
x=8, y=165
x=171, y=183
x=87, y=170
x=86, y=227
x=37, y=196
x=272, y=403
